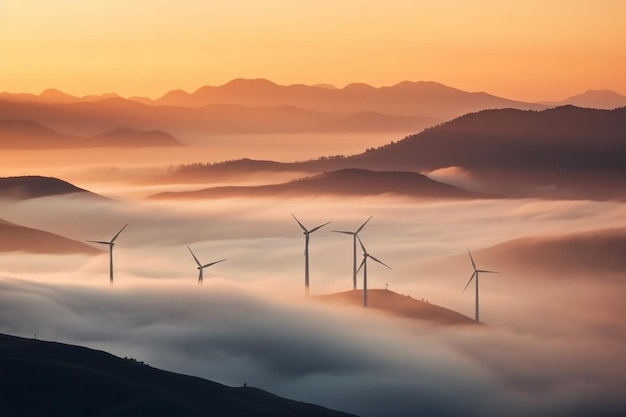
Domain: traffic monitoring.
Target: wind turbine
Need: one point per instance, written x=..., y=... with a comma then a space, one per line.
x=111, y=243
x=475, y=273
x=306, y=233
x=354, y=237
x=364, y=266
x=200, y=266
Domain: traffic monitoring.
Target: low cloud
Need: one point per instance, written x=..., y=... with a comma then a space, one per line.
x=552, y=347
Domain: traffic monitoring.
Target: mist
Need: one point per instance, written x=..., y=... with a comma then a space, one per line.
x=250, y=322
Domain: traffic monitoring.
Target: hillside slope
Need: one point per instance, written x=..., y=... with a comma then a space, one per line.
x=53, y=379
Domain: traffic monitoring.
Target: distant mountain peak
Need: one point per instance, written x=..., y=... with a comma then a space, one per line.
x=250, y=82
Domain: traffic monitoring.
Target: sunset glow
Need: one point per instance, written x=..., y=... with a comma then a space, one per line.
x=532, y=50
x=250, y=151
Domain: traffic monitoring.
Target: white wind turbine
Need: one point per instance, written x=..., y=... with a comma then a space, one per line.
x=111, y=243
x=354, y=237
x=306, y=233
x=364, y=266
x=200, y=266
x=475, y=273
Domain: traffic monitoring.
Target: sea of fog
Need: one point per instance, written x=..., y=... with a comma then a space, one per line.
x=551, y=346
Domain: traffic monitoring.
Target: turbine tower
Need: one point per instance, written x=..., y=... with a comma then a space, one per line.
x=200, y=266
x=475, y=273
x=354, y=237
x=306, y=233
x=364, y=266
x=111, y=243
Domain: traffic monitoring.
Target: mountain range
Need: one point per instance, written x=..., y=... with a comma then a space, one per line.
x=563, y=152
x=245, y=106
x=41, y=378
x=35, y=186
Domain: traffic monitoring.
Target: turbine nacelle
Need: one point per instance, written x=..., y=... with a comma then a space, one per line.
x=111, y=243
x=201, y=267
x=306, y=233
x=475, y=275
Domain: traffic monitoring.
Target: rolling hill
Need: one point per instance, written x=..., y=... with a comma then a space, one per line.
x=17, y=238
x=590, y=255
x=398, y=305
x=355, y=182
x=597, y=99
x=54, y=379
x=23, y=134
x=34, y=186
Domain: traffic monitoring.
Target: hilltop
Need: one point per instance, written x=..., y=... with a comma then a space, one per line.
x=398, y=305
x=35, y=186
x=56, y=379
x=17, y=238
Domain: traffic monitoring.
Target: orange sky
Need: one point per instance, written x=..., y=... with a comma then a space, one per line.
x=530, y=50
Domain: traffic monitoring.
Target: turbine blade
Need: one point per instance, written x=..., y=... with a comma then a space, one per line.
x=362, y=263
x=470, y=280
x=362, y=245
x=379, y=261
x=318, y=227
x=99, y=241
x=363, y=225
x=472, y=259
x=301, y=225
x=213, y=263
x=489, y=272
x=343, y=231
x=118, y=233
x=194, y=256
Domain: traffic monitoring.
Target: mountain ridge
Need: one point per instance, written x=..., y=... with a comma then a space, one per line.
x=350, y=181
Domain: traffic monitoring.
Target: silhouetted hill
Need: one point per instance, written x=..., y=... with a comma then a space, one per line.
x=221, y=171
x=597, y=99
x=16, y=238
x=562, y=152
x=356, y=182
x=23, y=134
x=35, y=186
x=53, y=379
x=125, y=137
x=398, y=305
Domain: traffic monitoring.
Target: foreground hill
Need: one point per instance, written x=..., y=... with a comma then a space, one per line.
x=355, y=182
x=22, y=134
x=53, y=379
x=16, y=238
x=34, y=186
x=398, y=305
